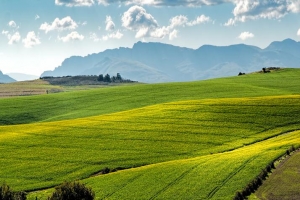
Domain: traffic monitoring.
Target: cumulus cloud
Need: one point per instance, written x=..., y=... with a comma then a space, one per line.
x=71, y=3
x=199, y=20
x=137, y=18
x=110, y=25
x=73, y=36
x=15, y=38
x=144, y=24
x=115, y=35
x=246, y=35
x=179, y=20
x=12, y=24
x=94, y=37
x=268, y=9
x=173, y=35
x=12, y=38
x=66, y=23
x=31, y=40
x=298, y=33
x=5, y=32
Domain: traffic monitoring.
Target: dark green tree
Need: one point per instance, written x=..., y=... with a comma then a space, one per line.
x=119, y=77
x=100, y=77
x=107, y=78
x=6, y=193
x=72, y=191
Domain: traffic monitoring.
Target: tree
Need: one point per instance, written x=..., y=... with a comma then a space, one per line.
x=7, y=194
x=100, y=77
x=107, y=78
x=72, y=191
x=119, y=78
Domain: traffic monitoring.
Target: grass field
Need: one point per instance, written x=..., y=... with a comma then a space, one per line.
x=72, y=105
x=284, y=182
x=196, y=140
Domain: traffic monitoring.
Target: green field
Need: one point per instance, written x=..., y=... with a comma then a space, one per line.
x=195, y=140
x=284, y=182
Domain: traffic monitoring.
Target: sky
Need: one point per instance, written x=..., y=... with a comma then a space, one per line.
x=37, y=35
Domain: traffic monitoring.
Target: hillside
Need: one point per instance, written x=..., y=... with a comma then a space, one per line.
x=5, y=78
x=170, y=140
x=108, y=100
x=157, y=62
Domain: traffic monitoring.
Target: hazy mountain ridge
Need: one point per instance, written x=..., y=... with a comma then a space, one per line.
x=5, y=78
x=22, y=77
x=157, y=62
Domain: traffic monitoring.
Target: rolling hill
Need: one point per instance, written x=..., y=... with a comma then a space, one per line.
x=193, y=140
x=157, y=62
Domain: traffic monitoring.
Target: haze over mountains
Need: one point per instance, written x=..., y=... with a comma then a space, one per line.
x=5, y=78
x=22, y=77
x=157, y=62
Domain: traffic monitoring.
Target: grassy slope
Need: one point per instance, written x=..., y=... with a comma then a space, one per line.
x=73, y=105
x=44, y=154
x=284, y=182
x=215, y=176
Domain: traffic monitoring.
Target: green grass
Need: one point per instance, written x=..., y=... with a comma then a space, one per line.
x=193, y=140
x=73, y=105
x=283, y=182
x=45, y=154
x=216, y=176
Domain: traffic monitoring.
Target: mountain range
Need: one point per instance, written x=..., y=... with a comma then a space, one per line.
x=158, y=62
x=5, y=78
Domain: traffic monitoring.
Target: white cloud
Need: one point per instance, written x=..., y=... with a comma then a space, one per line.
x=84, y=23
x=144, y=24
x=71, y=3
x=31, y=40
x=199, y=20
x=137, y=18
x=110, y=25
x=173, y=35
x=66, y=23
x=5, y=32
x=12, y=24
x=115, y=35
x=246, y=35
x=179, y=20
x=94, y=37
x=267, y=9
x=298, y=33
x=230, y=22
x=15, y=38
x=36, y=17
x=73, y=36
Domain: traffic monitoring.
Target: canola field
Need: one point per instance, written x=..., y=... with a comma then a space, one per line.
x=192, y=145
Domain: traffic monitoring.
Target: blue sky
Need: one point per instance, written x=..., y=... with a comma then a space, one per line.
x=37, y=35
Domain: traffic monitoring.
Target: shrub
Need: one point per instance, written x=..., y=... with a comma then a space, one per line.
x=72, y=191
x=7, y=194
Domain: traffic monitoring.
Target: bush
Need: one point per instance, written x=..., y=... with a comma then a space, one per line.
x=72, y=191
x=7, y=194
